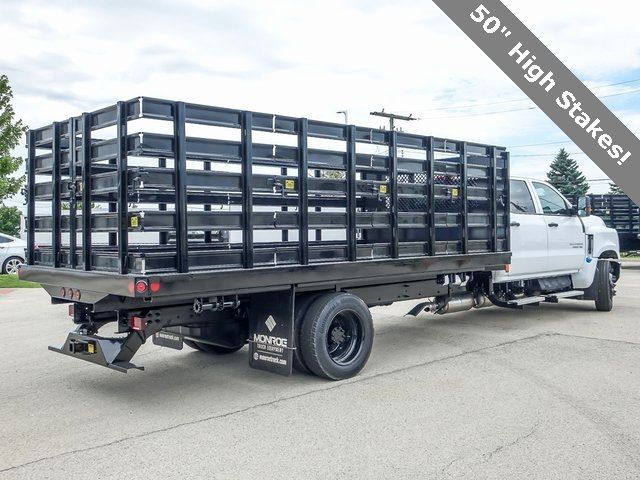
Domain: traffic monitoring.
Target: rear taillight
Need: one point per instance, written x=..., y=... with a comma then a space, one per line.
x=155, y=286
x=141, y=287
x=72, y=310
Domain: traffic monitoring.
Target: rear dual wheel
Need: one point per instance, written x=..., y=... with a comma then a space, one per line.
x=335, y=336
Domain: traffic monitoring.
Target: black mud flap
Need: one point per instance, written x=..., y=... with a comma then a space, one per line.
x=168, y=339
x=271, y=332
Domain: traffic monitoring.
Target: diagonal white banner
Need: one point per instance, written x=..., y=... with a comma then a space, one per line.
x=552, y=86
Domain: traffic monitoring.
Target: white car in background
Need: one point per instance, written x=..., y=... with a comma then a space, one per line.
x=11, y=253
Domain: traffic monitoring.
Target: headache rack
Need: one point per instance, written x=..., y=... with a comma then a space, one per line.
x=152, y=186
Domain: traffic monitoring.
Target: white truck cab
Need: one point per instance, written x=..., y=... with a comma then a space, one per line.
x=551, y=239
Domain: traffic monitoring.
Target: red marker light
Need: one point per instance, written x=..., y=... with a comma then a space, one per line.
x=155, y=286
x=63, y=292
x=70, y=293
x=137, y=323
x=78, y=295
x=141, y=286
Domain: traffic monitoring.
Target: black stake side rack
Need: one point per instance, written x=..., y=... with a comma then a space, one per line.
x=617, y=211
x=328, y=192
x=621, y=213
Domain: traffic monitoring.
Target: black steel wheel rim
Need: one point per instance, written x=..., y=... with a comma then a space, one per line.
x=344, y=337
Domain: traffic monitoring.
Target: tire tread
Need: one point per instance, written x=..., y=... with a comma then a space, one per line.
x=604, y=300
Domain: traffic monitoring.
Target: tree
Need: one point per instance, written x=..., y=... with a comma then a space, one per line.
x=11, y=132
x=615, y=189
x=10, y=221
x=565, y=175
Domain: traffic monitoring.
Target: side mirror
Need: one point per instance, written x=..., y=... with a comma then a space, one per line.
x=584, y=206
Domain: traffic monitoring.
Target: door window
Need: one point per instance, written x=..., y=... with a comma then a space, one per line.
x=552, y=202
x=521, y=201
x=5, y=240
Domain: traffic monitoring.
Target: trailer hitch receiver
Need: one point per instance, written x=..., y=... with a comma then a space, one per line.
x=113, y=353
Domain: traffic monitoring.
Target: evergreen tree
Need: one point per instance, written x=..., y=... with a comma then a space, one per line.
x=11, y=132
x=615, y=189
x=565, y=175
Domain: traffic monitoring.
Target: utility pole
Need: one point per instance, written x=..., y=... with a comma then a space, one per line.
x=393, y=117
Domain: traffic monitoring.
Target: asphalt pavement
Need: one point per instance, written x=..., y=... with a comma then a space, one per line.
x=548, y=392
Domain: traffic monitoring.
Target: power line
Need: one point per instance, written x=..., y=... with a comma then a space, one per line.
x=523, y=99
x=521, y=109
x=620, y=93
x=481, y=114
x=547, y=154
x=540, y=144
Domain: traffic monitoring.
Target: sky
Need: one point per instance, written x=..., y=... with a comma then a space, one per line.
x=313, y=58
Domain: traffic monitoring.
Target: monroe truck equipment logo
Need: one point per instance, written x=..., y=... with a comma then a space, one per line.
x=270, y=323
x=269, y=340
x=552, y=87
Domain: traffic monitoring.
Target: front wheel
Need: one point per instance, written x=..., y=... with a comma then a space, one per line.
x=336, y=336
x=606, y=286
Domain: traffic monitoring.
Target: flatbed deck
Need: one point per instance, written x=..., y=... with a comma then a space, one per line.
x=272, y=200
x=95, y=286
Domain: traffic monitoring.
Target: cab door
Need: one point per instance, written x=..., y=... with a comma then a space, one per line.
x=565, y=232
x=528, y=234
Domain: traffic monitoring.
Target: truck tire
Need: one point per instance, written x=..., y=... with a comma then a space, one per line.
x=604, y=300
x=336, y=336
x=208, y=348
x=303, y=302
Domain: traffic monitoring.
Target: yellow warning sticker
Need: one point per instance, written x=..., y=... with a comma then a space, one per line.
x=454, y=192
x=383, y=189
x=134, y=222
x=290, y=184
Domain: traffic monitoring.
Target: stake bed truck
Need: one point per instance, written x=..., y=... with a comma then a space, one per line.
x=213, y=228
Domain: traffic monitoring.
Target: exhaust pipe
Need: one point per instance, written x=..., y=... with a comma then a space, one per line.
x=456, y=303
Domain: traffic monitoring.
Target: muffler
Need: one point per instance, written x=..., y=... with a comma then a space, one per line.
x=463, y=302
x=456, y=303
